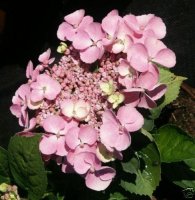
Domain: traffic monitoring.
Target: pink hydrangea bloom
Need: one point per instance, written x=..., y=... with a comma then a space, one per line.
x=153, y=50
x=96, y=177
x=77, y=109
x=100, y=179
x=30, y=73
x=74, y=23
x=45, y=59
x=146, y=89
x=80, y=136
x=118, y=37
x=127, y=74
x=110, y=26
x=20, y=104
x=86, y=102
x=146, y=26
x=89, y=42
x=54, y=141
x=114, y=132
x=44, y=87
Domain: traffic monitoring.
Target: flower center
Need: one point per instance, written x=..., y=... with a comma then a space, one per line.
x=80, y=82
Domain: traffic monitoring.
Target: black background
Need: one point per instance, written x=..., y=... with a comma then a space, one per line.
x=31, y=26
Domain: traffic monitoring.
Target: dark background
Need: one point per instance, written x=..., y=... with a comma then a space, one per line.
x=30, y=28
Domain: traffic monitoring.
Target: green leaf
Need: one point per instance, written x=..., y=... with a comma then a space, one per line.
x=147, y=179
x=174, y=144
x=182, y=176
x=27, y=166
x=147, y=134
x=177, y=151
x=148, y=124
x=117, y=196
x=4, y=166
x=173, y=83
x=51, y=196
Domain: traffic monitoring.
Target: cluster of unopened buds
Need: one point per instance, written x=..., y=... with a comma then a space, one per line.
x=8, y=192
x=86, y=102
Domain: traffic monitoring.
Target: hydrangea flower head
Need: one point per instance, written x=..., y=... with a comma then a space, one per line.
x=86, y=103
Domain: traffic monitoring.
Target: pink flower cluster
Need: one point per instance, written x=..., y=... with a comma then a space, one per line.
x=86, y=103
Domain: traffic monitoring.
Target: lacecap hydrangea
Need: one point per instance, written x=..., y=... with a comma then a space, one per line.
x=86, y=102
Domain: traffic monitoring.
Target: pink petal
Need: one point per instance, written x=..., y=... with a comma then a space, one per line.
x=157, y=92
x=146, y=102
x=110, y=24
x=123, y=141
x=24, y=118
x=82, y=104
x=144, y=19
x=95, y=183
x=29, y=69
x=124, y=68
x=126, y=81
x=113, y=13
x=35, y=73
x=81, y=109
x=166, y=57
x=158, y=27
x=132, y=97
x=51, y=60
x=94, y=31
x=128, y=42
x=132, y=22
x=23, y=91
x=123, y=30
x=45, y=87
x=93, y=160
x=88, y=135
x=80, y=149
x=81, y=113
x=153, y=46
x=108, y=134
x=48, y=144
x=76, y=17
x=53, y=88
x=82, y=41
x=36, y=95
x=70, y=124
x=106, y=173
x=16, y=100
x=90, y=55
x=44, y=57
x=65, y=31
x=130, y=118
x=61, y=150
x=148, y=79
x=67, y=107
x=16, y=110
x=138, y=57
x=80, y=166
x=85, y=22
x=72, y=138
x=99, y=44
x=117, y=47
x=31, y=124
x=66, y=167
x=101, y=179
x=109, y=117
x=54, y=124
